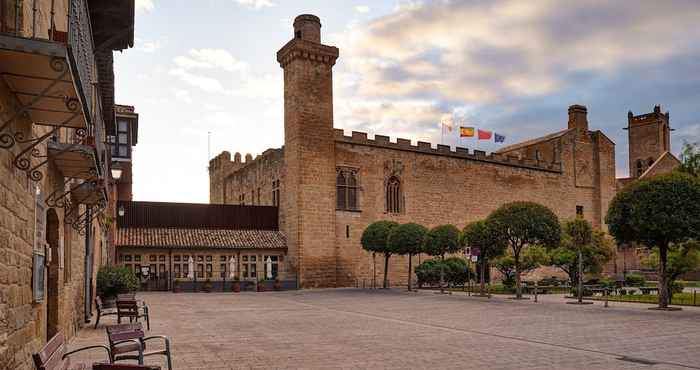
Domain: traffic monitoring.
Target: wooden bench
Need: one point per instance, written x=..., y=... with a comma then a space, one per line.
x=53, y=355
x=103, y=310
x=129, y=307
x=128, y=342
x=101, y=366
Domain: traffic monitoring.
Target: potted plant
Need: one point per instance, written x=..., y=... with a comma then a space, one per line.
x=176, y=286
x=113, y=280
x=236, y=285
x=278, y=285
x=207, y=286
x=261, y=285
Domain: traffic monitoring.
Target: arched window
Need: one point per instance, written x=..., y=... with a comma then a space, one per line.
x=640, y=170
x=346, y=185
x=650, y=161
x=393, y=195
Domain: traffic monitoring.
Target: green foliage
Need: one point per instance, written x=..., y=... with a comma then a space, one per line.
x=374, y=238
x=690, y=159
x=682, y=259
x=532, y=258
x=657, y=211
x=595, y=254
x=113, y=280
x=635, y=280
x=579, y=231
x=407, y=239
x=482, y=235
x=456, y=271
x=441, y=240
x=526, y=223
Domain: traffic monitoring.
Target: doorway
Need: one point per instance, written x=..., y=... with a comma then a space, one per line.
x=52, y=239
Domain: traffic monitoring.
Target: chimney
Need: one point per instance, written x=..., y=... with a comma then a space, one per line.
x=578, y=117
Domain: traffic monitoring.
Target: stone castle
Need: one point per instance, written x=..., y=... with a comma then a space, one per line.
x=329, y=186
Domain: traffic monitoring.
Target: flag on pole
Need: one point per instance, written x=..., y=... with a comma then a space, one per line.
x=466, y=132
x=447, y=124
x=499, y=138
x=484, y=135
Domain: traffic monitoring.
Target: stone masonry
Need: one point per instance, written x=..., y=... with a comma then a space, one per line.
x=571, y=171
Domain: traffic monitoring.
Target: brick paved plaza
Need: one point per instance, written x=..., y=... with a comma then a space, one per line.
x=360, y=329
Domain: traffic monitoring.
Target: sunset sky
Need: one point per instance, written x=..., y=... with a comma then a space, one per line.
x=512, y=67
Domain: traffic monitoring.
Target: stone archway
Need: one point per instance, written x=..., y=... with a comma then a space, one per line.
x=52, y=239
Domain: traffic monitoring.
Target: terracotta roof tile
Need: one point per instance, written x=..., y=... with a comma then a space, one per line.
x=199, y=238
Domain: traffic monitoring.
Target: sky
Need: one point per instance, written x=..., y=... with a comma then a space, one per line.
x=203, y=75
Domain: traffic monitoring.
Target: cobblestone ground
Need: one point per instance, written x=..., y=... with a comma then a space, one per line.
x=363, y=329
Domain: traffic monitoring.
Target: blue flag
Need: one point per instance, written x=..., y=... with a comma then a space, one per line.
x=499, y=138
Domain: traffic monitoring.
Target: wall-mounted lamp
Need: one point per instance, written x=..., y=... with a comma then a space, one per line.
x=121, y=211
x=116, y=173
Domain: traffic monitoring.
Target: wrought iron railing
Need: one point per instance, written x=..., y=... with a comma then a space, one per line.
x=62, y=21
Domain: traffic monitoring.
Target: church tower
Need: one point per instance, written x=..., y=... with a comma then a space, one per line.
x=309, y=153
x=649, y=138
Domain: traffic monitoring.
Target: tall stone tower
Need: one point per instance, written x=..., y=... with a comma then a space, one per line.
x=309, y=153
x=649, y=138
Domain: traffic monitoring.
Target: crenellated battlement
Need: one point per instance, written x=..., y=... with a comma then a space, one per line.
x=647, y=117
x=382, y=141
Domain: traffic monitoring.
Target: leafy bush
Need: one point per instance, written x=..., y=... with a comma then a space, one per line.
x=635, y=280
x=456, y=272
x=607, y=283
x=676, y=287
x=113, y=280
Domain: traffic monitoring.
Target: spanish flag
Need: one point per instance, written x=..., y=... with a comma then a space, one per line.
x=466, y=131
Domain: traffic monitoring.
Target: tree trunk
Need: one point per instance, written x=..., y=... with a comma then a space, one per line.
x=663, y=277
x=518, y=286
x=580, y=276
x=386, y=271
x=410, y=272
x=482, y=278
x=374, y=270
x=442, y=275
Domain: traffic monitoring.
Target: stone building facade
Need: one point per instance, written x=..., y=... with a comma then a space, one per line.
x=333, y=185
x=55, y=108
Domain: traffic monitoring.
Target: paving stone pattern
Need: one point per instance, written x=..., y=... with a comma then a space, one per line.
x=364, y=329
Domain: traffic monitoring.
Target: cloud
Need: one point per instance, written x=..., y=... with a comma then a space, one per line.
x=211, y=58
x=147, y=46
x=362, y=9
x=144, y=5
x=514, y=67
x=256, y=4
x=205, y=83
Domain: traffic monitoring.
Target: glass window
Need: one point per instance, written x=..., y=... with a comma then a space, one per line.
x=123, y=125
x=200, y=270
x=209, y=258
x=176, y=271
x=152, y=258
x=152, y=273
x=222, y=269
x=393, y=195
x=127, y=258
x=137, y=258
x=346, y=189
x=176, y=258
x=209, y=270
x=161, y=258
x=222, y=258
x=200, y=258
x=185, y=270
x=245, y=258
x=244, y=270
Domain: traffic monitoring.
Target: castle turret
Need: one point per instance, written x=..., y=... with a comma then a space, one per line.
x=309, y=153
x=649, y=138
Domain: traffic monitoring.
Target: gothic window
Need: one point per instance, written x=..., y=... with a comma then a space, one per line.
x=393, y=195
x=346, y=189
x=640, y=170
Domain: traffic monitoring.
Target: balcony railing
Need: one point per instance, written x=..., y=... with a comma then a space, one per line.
x=65, y=22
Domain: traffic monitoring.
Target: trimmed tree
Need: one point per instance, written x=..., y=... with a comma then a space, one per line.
x=439, y=241
x=524, y=224
x=531, y=258
x=659, y=212
x=479, y=235
x=595, y=254
x=407, y=239
x=375, y=239
x=682, y=259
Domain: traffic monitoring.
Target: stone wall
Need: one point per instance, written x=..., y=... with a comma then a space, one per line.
x=443, y=186
x=23, y=323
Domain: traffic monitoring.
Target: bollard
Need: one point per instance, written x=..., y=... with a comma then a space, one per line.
x=695, y=296
x=535, y=292
x=605, y=292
